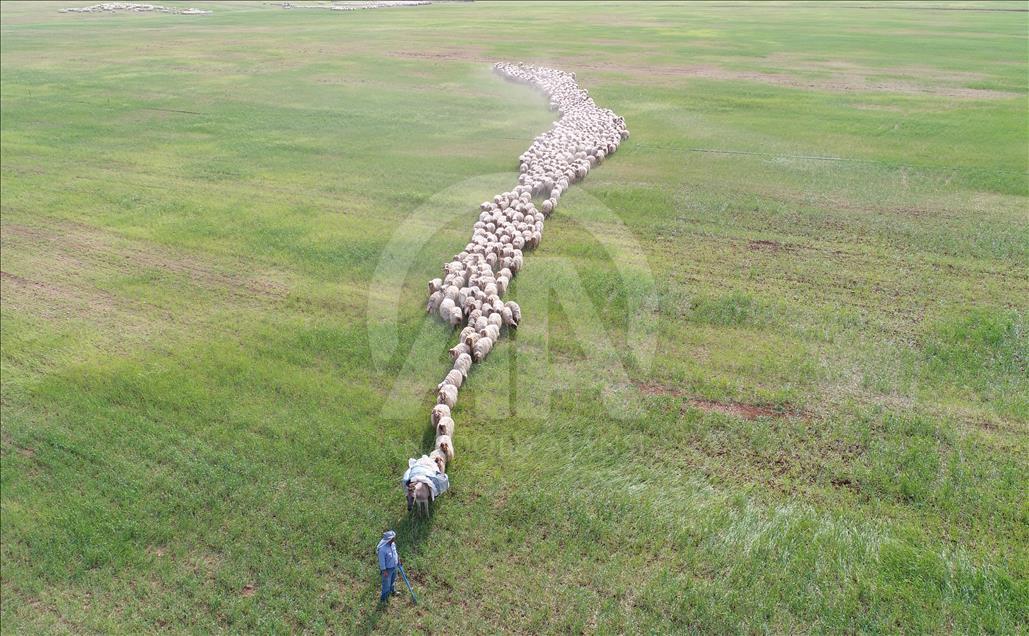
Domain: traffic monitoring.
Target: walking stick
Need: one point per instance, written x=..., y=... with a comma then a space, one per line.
x=408, y=583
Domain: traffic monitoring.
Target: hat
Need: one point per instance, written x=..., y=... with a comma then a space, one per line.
x=389, y=534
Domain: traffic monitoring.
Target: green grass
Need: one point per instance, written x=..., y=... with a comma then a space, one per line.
x=825, y=205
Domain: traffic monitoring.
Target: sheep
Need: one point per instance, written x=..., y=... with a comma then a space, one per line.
x=439, y=412
x=447, y=394
x=491, y=331
x=440, y=459
x=482, y=348
x=516, y=313
x=469, y=293
x=459, y=350
x=456, y=316
x=446, y=446
x=454, y=377
x=463, y=364
x=445, y=307
x=445, y=426
x=434, y=301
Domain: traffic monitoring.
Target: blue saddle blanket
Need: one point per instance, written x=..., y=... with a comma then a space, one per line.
x=425, y=470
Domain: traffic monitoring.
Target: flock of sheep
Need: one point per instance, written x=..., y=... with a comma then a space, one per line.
x=354, y=6
x=473, y=283
x=111, y=7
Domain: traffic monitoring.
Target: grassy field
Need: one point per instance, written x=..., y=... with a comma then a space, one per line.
x=200, y=424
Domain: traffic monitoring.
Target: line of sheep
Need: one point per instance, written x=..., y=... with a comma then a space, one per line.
x=356, y=6
x=112, y=7
x=475, y=280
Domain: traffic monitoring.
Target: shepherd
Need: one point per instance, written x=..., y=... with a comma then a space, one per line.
x=389, y=560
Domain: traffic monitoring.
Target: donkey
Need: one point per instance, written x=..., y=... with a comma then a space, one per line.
x=419, y=497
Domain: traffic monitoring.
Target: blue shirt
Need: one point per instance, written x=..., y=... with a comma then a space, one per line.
x=388, y=557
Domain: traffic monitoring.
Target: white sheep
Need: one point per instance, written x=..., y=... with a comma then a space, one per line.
x=434, y=301
x=456, y=316
x=474, y=281
x=440, y=460
x=445, y=426
x=454, y=377
x=491, y=331
x=445, y=307
x=439, y=411
x=463, y=364
x=482, y=348
x=446, y=446
x=447, y=394
x=516, y=313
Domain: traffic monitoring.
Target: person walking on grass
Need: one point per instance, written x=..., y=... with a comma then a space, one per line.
x=389, y=560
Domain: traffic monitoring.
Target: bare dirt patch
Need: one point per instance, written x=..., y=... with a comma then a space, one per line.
x=7, y=441
x=846, y=483
x=765, y=245
x=27, y=452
